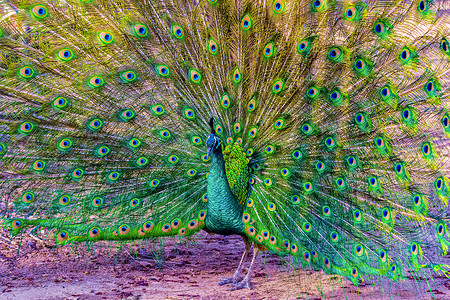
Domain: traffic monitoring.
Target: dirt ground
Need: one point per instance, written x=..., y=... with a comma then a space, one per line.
x=179, y=271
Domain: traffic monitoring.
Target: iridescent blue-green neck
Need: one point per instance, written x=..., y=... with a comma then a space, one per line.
x=224, y=210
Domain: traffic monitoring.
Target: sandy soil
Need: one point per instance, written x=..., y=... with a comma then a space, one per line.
x=179, y=271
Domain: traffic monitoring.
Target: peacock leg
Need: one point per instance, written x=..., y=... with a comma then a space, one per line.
x=246, y=281
x=238, y=274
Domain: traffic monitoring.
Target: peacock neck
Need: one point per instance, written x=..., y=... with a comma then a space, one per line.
x=224, y=210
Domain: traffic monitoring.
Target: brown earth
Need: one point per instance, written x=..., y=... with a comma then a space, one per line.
x=184, y=270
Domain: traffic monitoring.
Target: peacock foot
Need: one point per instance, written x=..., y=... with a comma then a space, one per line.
x=234, y=280
x=244, y=283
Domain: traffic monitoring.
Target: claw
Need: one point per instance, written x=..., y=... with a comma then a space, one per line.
x=245, y=283
x=232, y=280
x=225, y=280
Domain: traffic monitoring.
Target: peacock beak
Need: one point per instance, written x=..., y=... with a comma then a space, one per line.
x=208, y=152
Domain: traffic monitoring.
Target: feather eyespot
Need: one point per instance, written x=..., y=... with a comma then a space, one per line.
x=237, y=75
x=440, y=229
x=134, y=203
x=394, y=268
x=173, y=159
x=39, y=11
x=340, y=182
x=59, y=103
x=359, y=250
x=270, y=149
x=166, y=228
x=285, y=172
x=113, y=176
x=269, y=50
x=351, y=13
x=278, y=6
x=357, y=215
x=162, y=70
x=193, y=224
x=422, y=7
x=176, y=223
x=327, y=263
x=26, y=72
x=102, y=151
x=96, y=81
x=246, y=22
x=225, y=101
x=140, y=30
x=94, y=232
x=26, y=127
x=202, y=215
x=237, y=127
x=189, y=114
x=303, y=46
x=278, y=86
x=271, y=206
x=218, y=129
x=128, y=76
x=105, y=37
x=414, y=249
x=77, y=173
x=148, y=226
x=334, y=236
x=191, y=172
x=295, y=199
x=246, y=218
x=195, y=76
x=64, y=200
x=307, y=187
x=307, y=227
x=62, y=236
x=123, y=229
x=134, y=143
x=97, y=202
x=296, y=155
x=318, y=5
x=306, y=256
x=253, y=131
x=279, y=124
x=212, y=46
x=251, y=106
x=177, y=31
x=3, y=149
x=439, y=183
x=65, y=54
x=334, y=54
x=249, y=202
x=38, y=165
x=272, y=240
x=445, y=46
x=251, y=231
x=17, y=224
x=379, y=28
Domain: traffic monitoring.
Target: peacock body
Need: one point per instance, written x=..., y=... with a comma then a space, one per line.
x=318, y=129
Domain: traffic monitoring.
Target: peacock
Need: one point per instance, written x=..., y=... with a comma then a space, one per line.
x=318, y=129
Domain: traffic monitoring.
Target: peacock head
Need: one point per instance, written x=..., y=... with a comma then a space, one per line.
x=213, y=142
